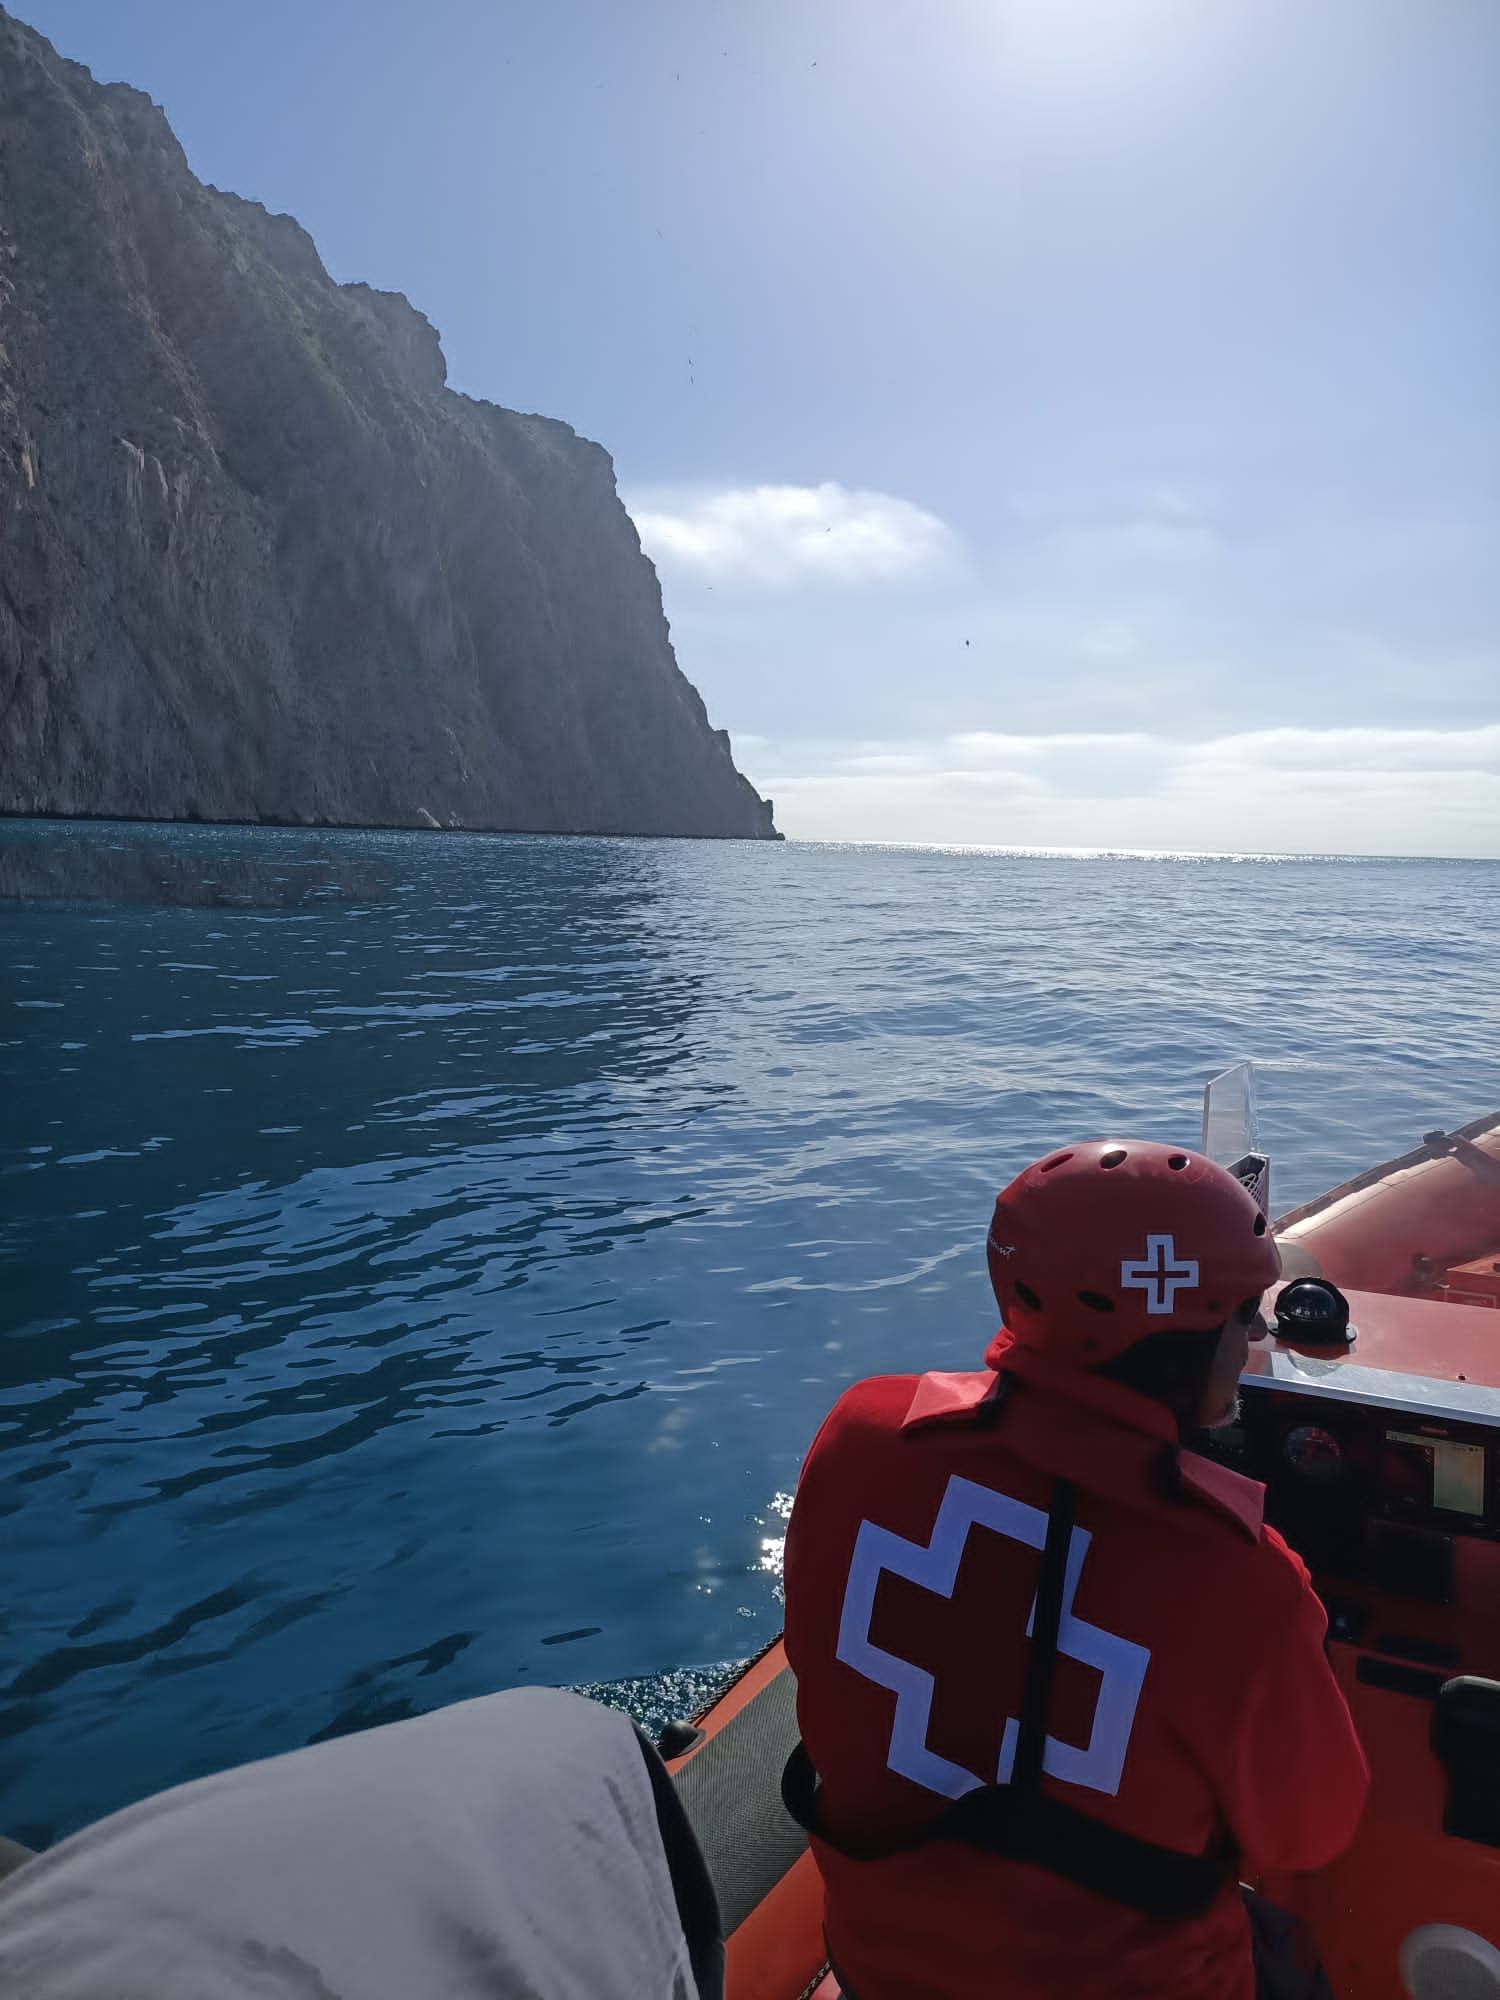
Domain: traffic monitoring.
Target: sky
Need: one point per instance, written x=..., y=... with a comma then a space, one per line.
x=1055, y=422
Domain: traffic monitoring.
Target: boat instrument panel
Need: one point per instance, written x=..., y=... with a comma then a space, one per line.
x=1378, y=1475
x=1365, y=1494
x=1376, y=1433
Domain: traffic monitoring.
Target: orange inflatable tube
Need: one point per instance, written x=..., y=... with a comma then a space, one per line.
x=1404, y=1226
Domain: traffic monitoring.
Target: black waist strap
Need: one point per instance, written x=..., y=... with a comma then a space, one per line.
x=1019, y=1821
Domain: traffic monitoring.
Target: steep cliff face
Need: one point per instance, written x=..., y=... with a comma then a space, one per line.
x=258, y=562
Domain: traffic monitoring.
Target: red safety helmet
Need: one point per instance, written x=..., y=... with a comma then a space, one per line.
x=1096, y=1246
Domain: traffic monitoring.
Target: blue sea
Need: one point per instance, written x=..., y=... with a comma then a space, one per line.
x=424, y=1258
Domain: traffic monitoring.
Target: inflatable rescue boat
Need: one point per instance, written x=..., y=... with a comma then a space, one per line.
x=1371, y=1412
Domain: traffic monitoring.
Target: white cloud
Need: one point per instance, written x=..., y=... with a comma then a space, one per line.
x=1358, y=791
x=1360, y=751
x=779, y=535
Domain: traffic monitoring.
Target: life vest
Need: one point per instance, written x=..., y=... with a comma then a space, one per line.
x=1017, y=1820
x=1130, y=1752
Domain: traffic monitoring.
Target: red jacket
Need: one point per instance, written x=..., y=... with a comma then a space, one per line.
x=1191, y=1697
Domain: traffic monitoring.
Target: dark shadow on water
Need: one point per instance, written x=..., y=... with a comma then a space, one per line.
x=126, y=864
x=304, y=1168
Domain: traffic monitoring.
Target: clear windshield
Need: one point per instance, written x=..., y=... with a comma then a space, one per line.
x=1231, y=1130
x=1231, y=1127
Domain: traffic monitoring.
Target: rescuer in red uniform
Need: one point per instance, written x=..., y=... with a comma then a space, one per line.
x=1059, y=1686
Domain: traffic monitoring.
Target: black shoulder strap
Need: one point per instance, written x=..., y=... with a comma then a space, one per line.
x=1036, y=1699
x=1019, y=1821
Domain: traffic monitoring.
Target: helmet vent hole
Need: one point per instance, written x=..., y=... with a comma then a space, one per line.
x=1115, y=1157
x=1027, y=1296
x=1096, y=1302
x=1260, y=1225
x=1177, y=1162
x=1057, y=1160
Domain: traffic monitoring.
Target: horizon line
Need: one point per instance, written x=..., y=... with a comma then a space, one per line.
x=1030, y=850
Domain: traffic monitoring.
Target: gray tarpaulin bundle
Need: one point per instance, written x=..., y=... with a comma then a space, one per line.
x=526, y=1845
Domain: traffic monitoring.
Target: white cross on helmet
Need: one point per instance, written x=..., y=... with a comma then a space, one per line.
x=1161, y=1274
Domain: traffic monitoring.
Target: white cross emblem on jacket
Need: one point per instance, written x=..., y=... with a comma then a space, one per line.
x=1120, y=1663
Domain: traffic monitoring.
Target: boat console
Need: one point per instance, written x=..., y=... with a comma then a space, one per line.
x=1380, y=1454
x=1381, y=1457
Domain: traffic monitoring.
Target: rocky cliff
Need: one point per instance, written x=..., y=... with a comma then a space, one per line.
x=258, y=562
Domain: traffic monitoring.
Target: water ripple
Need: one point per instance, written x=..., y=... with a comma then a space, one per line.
x=424, y=1258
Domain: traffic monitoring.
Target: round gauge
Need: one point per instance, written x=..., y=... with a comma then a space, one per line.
x=1316, y=1454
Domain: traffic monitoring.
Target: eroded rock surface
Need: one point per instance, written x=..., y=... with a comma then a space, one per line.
x=257, y=561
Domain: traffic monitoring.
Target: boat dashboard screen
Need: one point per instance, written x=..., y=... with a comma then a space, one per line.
x=1442, y=1475
x=1345, y=1481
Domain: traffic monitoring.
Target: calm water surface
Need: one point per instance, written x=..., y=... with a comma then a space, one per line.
x=425, y=1259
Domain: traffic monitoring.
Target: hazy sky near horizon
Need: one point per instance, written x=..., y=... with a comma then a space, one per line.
x=1059, y=422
